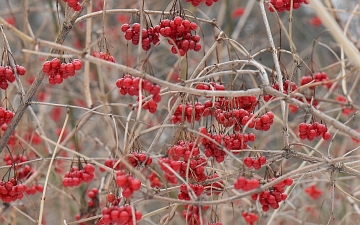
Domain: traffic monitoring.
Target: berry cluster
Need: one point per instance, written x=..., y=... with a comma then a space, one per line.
x=174, y=165
x=22, y=171
x=191, y=214
x=136, y=159
x=110, y=163
x=183, y=149
x=313, y=130
x=345, y=110
x=10, y=191
x=246, y=184
x=184, y=194
x=236, y=141
x=313, y=192
x=191, y=112
x=282, y=5
x=318, y=77
x=103, y=55
x=288, y=87
x=196, y=168
x=228, y=112
x=211, y=86
x=149, y=35
x=5, y=118
x=179, y=155
x=7, y=75
x=250, y=218
x=128, y=184
x=154, y=181
x=92, y=194
x=272, y=197
x=34, y=188
x=259, y=123
x=179, y=31
x=255, y=163
x=58, y=71
x=119, y=215
x=197, y=2
x=130, y=85
x=110, y=198
x=74, y=177
x=74, y=4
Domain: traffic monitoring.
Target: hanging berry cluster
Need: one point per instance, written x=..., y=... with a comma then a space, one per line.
x=255, y=163
x=33, y=189
x=345, y=110
x=5, y=119
x=250, y=218
x=318, y=77
x=11, y=190
x=136, y=159
x=7, y=75
x=246, y=184
x=154, y=180
x=128, y=183
x=312, y=130
x=184, y=194
x=178, y=157
x=119, y=215
x=58, y=71
x=197, y=2
x=282, y=5
x=273, y=196
x=288, y=87
x=74, y=177
x=236, y=141
x=178, y=30
x=22, y=171
x=74, y=4
x=313, y=192
x=130, y=85
x=149, y=35
x=191, y=214
x=103, y=55
x=93, y=195
x=111, y=163
x=235, y=112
